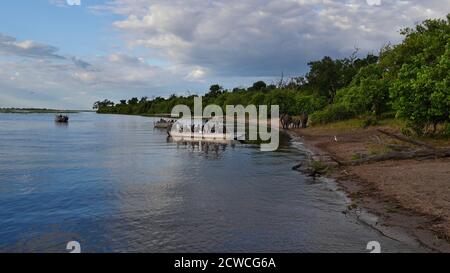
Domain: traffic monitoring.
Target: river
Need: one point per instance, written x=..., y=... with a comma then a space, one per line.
x=116, y=184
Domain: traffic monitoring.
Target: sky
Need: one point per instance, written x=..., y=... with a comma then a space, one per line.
x=67, y=54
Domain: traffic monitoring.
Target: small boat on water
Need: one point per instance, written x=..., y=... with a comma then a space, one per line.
x=61, y=119
x=164, y=124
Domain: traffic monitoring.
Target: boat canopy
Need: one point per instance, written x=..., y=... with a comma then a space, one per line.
x=199, y=125
x=199, y=121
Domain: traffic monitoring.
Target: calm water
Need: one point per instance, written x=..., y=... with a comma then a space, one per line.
x=115, y=184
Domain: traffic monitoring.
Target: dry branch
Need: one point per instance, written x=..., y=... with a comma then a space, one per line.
x=407, y=139
x=398, y=147
x=417, y=154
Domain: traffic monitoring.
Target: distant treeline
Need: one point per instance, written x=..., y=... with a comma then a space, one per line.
x=36, y=110
x=410, y=81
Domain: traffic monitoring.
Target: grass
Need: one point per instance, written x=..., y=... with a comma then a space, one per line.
x=320, y=168
x=391, y=210
x=341, y=125
x=436, y=141
x=359, y=123
x=393, y=122
x=371, y=151
x=352, y=206
x=357, y=156
x=378, y=150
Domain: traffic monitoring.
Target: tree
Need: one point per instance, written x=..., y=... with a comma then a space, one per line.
x=102, y=104
x=284, y=99
x=368, y=92
x=214, y=91
x=421, y=90
x=325, y=76
x=258, y=86
x=133, y=101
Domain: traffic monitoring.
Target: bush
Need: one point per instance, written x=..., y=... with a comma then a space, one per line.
x=334, y=112
x=446, y=130
x=421, y=89
x=387, y=115
x=368, y=92
x=309, y=103
x=370, y=121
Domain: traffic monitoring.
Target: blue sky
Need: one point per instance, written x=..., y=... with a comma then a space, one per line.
x=61, y=56
x=72, y=28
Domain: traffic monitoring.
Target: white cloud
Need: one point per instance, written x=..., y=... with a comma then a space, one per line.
x=197, y=74
x=73, y=2
x=37, y=75
x=10, y=46
x=264, y=37
x=374, y=2
x=186, y=45
x=65, y=3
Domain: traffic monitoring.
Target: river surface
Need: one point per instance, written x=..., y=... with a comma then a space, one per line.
x=116, y=184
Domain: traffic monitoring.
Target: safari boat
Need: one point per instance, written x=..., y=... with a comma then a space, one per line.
x=201, y=129
x=164, y=124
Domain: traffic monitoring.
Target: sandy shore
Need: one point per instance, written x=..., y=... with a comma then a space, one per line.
x=410, y=195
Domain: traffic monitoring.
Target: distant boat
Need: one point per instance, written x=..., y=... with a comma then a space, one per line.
x=164, y=124
x=62, y=119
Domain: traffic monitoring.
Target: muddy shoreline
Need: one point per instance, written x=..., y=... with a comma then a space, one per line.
x=392, y=219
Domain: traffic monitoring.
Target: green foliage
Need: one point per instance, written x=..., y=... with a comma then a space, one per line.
x=446, y=130
x=258, y=86
x=284, y=98
x=421, y=90
x=370, y=121
x=319, y=168
x=412, y=78
x=332, y=113
x=368, y=92
x=102, y=104
x=214, y=91
x=327, y=76
x=309, y=103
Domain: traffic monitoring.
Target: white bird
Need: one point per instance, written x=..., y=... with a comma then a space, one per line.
x=335, y=138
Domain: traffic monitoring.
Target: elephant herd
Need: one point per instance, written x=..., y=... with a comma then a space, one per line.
x=288, y=121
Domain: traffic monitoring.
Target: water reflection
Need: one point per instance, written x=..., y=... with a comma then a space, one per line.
x=209, y=148
x=61, y=124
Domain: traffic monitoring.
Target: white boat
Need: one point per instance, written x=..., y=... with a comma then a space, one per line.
x=163, y=124
x=206, y=129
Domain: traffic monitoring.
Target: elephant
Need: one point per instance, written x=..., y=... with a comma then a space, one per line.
x=286, y=121
x=305, y=118
x=296, y=122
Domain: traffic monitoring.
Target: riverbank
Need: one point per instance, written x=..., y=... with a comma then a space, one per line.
x=408, y=194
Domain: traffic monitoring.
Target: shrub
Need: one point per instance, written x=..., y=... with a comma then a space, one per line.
x=421, y=89
x=370, y=121
x=388, y=115
x=309, y=103
x=446, y=130
x=368, y=92
x=334, y=112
